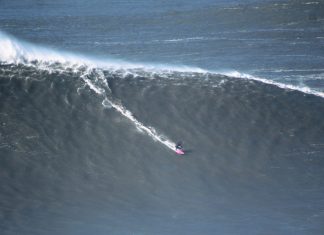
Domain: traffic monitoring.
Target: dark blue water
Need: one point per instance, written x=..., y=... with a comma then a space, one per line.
x=94, y=95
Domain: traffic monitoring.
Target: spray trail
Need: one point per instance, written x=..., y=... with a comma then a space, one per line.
x=150, y=131
x=140, y=126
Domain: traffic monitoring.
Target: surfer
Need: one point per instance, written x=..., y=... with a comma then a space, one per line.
x=179, y=149
x=179, y=146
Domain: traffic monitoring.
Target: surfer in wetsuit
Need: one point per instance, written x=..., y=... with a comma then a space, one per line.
x=179, y=146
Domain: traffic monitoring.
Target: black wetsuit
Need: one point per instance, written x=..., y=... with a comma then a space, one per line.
x=179, y=146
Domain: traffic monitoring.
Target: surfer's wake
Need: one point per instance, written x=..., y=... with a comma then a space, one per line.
x=122, y=110
x=140, y=126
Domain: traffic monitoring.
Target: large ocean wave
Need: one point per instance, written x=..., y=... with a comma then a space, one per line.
x=92, y=72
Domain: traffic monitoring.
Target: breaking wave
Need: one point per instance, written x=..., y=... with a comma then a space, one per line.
x=13, y=51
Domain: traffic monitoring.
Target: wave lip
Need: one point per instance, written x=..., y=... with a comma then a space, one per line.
x=303, y=89
x=10, y=51
x=16, y=51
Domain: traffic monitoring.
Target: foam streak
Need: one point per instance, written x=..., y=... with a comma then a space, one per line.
x=150, y=131
x=140, y=126
x=304, y=89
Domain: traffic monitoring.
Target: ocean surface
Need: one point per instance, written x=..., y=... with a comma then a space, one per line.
x=95, y=94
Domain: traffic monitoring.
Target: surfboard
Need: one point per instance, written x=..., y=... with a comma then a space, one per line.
x=179, y=152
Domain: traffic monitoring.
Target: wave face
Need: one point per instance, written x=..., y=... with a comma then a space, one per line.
x=87, y=147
